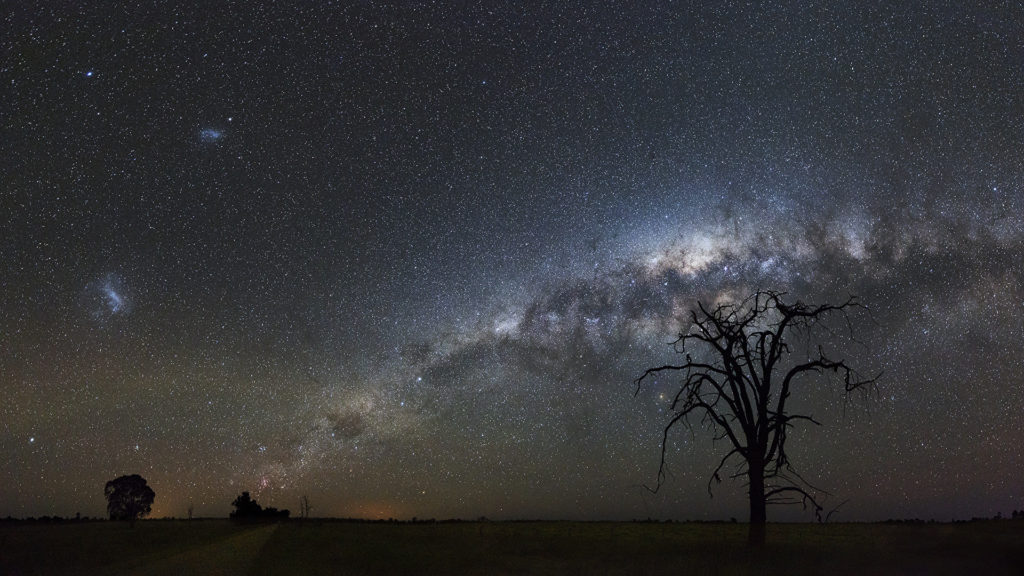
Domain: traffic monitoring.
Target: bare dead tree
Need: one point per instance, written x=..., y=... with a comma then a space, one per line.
x=741, y=393
x=304, y=506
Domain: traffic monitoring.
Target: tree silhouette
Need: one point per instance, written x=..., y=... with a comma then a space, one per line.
x=741, y=391
x=248, y=509
x=128, y=498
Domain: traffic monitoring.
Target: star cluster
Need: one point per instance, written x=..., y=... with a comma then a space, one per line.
x=407, y=259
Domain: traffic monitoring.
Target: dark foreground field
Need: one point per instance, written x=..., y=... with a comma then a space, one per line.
x=219, y=547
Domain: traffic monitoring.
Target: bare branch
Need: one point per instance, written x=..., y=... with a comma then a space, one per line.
x=742, y=394
x=714, y=475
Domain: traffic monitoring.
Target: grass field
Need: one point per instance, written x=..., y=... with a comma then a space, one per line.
x=326, y=547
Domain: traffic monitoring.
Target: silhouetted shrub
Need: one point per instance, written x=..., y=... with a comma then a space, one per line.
x=248, y=509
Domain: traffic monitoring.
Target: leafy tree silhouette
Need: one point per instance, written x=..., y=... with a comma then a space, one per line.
x=128, y=498
x=248, y=509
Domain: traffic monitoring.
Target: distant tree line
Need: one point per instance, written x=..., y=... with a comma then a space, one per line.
x=1015, y=515
x=129, y=498
x=277, y=514
x=47, y=519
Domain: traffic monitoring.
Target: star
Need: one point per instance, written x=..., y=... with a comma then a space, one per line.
x=489, y=227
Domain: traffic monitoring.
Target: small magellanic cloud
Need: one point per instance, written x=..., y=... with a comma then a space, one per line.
x=211, y=135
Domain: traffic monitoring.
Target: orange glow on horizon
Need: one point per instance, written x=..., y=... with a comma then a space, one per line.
x=376, y=510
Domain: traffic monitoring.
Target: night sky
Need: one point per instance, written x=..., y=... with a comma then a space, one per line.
x=407, y=259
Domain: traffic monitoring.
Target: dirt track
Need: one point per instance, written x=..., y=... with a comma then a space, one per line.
x=230, y=557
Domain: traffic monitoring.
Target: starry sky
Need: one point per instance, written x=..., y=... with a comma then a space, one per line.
x=408, y=258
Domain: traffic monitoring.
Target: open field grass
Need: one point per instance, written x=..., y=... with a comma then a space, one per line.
x=326, y=547
x=105, y=547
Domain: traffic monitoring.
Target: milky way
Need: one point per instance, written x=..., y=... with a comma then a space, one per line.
x=408, y=260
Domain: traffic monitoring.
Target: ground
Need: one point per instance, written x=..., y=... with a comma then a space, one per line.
x=330, y=547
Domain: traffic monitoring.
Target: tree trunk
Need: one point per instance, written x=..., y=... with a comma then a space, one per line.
x=758, y=505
